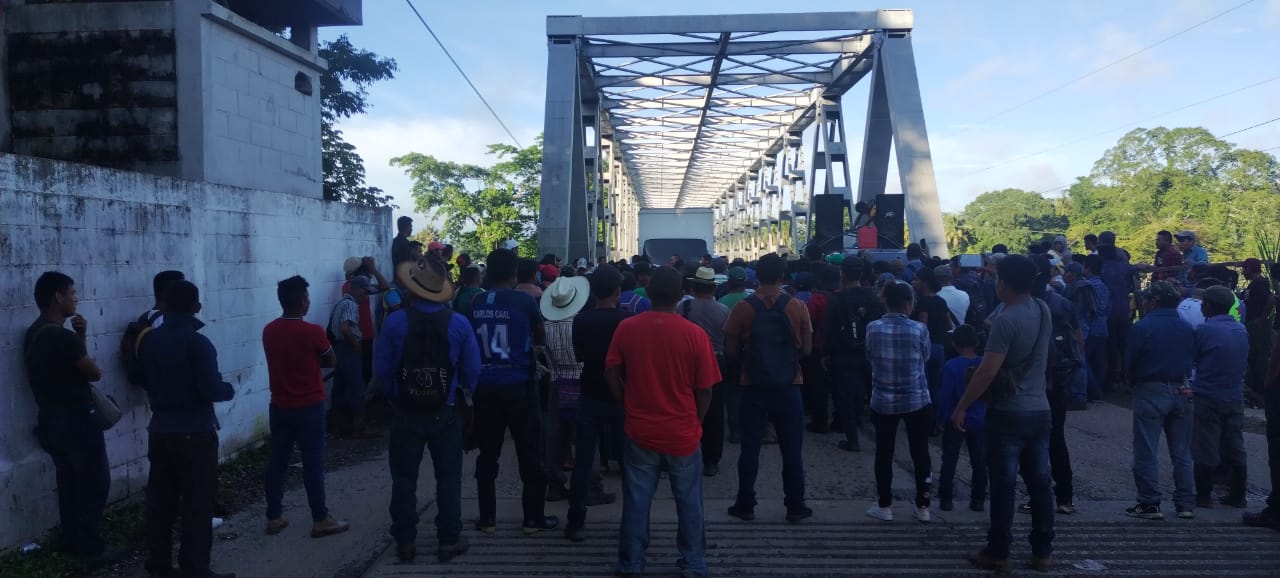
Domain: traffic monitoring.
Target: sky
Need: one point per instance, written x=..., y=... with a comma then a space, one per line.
x=976, y=60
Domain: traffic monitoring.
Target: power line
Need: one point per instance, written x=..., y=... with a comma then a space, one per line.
x=1263, y=123
x=464, y=74
x=1128, y=124
x=1118, y=61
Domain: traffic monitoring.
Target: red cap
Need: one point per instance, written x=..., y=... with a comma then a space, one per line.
x=435, y=246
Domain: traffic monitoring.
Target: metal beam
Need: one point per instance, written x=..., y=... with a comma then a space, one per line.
x=812, y=21
x=604, y=49
x=772, y=78
x=911, y=143
x=561, y=150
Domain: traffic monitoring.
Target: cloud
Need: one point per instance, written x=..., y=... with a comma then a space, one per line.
x=456, y=139
x=1271, y=14
x=1109, y=43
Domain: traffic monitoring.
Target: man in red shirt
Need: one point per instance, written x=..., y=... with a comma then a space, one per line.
x=296, y=350
x=1167, y=255
x=366, y=267
x=662, y=368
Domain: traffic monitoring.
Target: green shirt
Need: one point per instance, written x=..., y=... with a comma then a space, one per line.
x=641, y=292
x=733, y=298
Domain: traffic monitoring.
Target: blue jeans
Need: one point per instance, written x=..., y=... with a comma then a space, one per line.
x=852, y=377
x=782, y=405
x=976, y=441
x=303, y=426
x=1095, y=357
x=640, y=474
x=441, y=432
x=348, y=380
x=1019, y=441
x=591, y=419
x=1078, y=386
x=1157, y=407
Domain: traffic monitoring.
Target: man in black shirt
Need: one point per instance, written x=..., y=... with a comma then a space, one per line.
x=592, y=333
x=59, y=371
x=400, y=245
x=1258, y=303
x=848, y=313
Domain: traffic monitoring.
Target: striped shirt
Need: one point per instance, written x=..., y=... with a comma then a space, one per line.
x=346, y=310
x=898, y=349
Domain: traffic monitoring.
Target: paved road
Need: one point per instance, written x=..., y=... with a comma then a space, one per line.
x=840, y=540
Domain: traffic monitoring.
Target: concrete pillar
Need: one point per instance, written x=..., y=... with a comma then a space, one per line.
x=561, y=146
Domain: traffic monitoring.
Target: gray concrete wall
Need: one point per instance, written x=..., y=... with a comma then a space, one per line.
x=112, y=231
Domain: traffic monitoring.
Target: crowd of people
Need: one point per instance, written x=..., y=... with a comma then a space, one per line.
x=650, y=370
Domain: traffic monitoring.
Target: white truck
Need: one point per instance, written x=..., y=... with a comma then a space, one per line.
x=689, y=233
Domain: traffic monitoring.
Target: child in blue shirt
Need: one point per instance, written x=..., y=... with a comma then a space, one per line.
x=955, y=378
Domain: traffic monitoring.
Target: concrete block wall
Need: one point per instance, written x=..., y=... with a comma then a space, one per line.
x=112, y=231
x=261, y=128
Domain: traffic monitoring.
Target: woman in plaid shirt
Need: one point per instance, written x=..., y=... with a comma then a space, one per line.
x=898, y=349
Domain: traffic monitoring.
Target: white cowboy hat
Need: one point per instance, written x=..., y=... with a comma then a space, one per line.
x=704, y=275
x=565, y=298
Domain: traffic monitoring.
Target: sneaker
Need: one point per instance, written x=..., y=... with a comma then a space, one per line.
x=276, y=525
x=946, y=505
x=1145, y=511
x=711, y=470
x=1041, y=564
x=1234, y=501
x=922, y=514
x=487, y=525
x=575, y=532
x=1066, y=509
x=850, y=445
x=1024, y=508
x=601, y=498
x=328, y=527
x=800, y=513
x=977, y=505
x=546, y=523
x=986, y=562
x=884, y=514
x=1186, y=513
x=744, y=513
x=447, y=552
x=406, y=552
x=1267, y=518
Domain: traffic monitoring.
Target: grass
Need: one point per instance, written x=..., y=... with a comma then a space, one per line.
x=123, y=527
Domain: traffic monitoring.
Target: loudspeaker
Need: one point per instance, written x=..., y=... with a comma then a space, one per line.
x=828, y=216
x=891, y=220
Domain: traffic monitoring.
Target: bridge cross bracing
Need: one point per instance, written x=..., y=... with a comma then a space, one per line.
x=712, y=111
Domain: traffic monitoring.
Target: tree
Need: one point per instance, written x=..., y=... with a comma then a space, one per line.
x=1012, y=217
x=343, y=94
x=480, y=206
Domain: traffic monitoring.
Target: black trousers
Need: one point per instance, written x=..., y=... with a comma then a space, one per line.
x=816, y=390
x=183, y=478
x=919, y=424
x=515, y=407
x=713, y=423
x=1059, y=455
x=73, y=439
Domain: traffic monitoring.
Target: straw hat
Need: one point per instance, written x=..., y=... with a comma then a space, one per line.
x=565, y=298
x=425, y=279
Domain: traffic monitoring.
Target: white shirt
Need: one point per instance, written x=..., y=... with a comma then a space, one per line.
x=957, y=301
x=1189, y=311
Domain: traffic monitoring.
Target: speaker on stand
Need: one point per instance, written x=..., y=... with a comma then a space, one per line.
x=828, y=213
x=890, y=221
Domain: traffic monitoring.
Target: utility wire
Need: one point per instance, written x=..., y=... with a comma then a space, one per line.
x=1128, y=124
x=464, y=74
x=1118, y=61
x=1263, y=123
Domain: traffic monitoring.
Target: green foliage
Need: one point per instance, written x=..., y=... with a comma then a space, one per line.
x=480, y=207
x=343, y=94
x=1151, y=180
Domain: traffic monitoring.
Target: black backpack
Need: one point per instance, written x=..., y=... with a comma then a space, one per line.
x=129, y=342
x=1063, y=360
x=856, y=312
x=772, y=358
x=426, y=370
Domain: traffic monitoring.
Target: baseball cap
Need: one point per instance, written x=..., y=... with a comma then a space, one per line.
x=510, y=244
x=1075, y=268
x=737, y=274
x=435, y=246
x=362, y=283
x=1164, y=292
x=1219, y=295
x=942, y=274
x=350, y=265
x=1252, y=264
x=1186, y=235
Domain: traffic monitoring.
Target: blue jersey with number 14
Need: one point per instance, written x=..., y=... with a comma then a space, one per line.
x=503, y=322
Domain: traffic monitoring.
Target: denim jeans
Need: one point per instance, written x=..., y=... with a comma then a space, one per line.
x=303, y=426
x=782, y=405
x=71, y=436
x=976, y=441
x=1019, y=441
x=1157, y=407
x=1095, y=357
x=640, y=476
x=348, y=380
x=591, y=420
x=1078, y=386
x=1218, y=439
x=441, y=432
x=852, y=377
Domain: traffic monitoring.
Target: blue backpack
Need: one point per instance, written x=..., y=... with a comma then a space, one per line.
x=772, y=358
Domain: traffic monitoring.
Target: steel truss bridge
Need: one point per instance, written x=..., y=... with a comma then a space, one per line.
x=741, y=113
